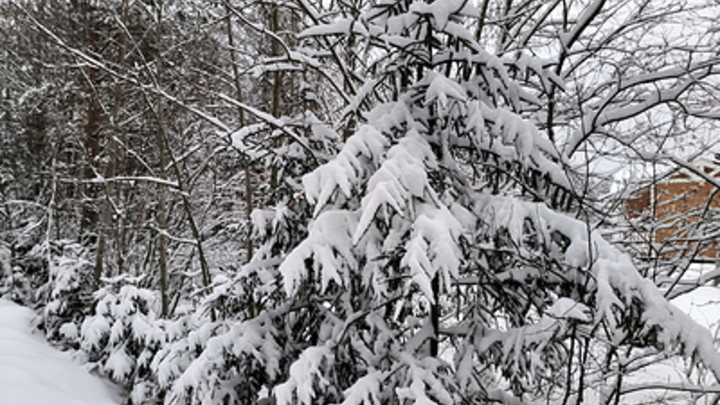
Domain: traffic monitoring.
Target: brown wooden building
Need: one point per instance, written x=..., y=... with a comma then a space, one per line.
x=679, y=214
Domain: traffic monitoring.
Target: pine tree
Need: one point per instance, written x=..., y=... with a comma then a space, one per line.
x=441, y=262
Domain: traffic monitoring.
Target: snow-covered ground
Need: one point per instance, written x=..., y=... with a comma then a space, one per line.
x=33, y=373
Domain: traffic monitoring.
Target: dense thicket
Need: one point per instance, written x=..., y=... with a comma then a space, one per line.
x=385, y=202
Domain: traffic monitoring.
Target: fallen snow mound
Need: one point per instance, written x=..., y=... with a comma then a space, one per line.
x=33, y=373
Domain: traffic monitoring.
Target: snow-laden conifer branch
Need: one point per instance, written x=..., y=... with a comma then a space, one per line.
x=618, y=285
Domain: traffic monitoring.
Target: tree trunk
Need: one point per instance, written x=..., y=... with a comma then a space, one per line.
x=241, y=123
x=89, y=215
x=91, y=135
x=276, y=82
x=162, y=189
x=111, y=170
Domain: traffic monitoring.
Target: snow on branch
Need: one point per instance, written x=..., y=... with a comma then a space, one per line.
x=617, y=282
x=273, y=122
x=603, y=115
x=329, y=245
x=253, y=348
x=367, y=390
x=433, y=249
x=347, y=170
x=400, y=178
x=305, y=374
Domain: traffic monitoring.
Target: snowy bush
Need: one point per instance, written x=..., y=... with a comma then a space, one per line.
x=235, y=363
x=67, y=295
x=25, y=259
x=14, y=286
x=120, y=339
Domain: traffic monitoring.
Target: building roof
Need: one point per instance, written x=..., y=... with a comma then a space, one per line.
x=708, y=166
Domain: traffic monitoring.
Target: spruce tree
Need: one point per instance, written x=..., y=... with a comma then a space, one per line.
x=443, y=261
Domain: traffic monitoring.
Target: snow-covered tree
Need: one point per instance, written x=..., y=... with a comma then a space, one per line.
x=442, y=263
